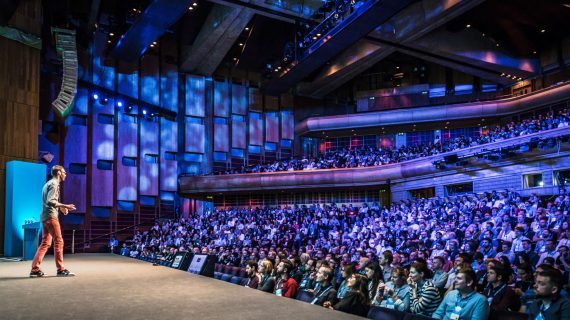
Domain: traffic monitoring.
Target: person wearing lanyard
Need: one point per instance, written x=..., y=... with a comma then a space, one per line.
x=325, y=290
x=394, y=294
x=463, y=302
x=285, y=286
x=549, y=305
x=499, y=296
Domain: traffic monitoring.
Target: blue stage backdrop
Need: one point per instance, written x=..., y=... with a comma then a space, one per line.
x=24, y=182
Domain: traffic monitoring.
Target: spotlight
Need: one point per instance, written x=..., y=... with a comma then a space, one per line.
x=246, y=29
x=241, y=44
x=543, y=31
x=195, y=4
x=190, y=8
x=144, y=112
x=111, y=34
x=468, y=26
x=95, y=96
x=119, y=104
x=108, y=41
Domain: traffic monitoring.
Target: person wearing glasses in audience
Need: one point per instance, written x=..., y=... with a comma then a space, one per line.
x=50, y=224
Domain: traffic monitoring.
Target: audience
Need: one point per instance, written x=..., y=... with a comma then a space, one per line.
x=367, y=157
x=406, y=256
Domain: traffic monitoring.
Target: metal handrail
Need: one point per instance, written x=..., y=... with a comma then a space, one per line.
x=72, y=246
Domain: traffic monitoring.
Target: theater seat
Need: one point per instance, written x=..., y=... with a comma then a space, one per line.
x=218, y=275
x=303, y=295
x=226, y=277
x=234, y=271
x=226, y=269
x=236, y=280
x=508, y=315
x=218, y=267
x=379, y=313
x=242, y=273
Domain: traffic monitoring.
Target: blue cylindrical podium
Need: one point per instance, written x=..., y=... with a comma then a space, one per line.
x=31, y=235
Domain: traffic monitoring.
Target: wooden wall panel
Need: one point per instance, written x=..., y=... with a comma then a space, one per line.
x=103, y=145
x=272, y=127
x=221, y=99
x=195, y=96
x=149, y=146
x=19, y=96
x=149, y=79
x=239, y=99
x=255, y=132
x=287, y=125
x=75, y=147
x=255, y=99
x=194, y=138
x=221, y=137
x=168, y=143
x=238, y=134
x=127, y=144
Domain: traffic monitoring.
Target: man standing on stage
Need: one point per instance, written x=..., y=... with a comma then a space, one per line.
x=50, y=223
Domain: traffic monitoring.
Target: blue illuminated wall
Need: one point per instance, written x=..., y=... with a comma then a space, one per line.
x=137, y=125
x=24, y=183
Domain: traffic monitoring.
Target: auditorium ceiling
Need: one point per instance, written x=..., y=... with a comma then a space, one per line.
x=487, y=39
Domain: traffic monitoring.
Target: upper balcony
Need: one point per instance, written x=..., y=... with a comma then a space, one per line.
x=446, y=112
x=201, y=186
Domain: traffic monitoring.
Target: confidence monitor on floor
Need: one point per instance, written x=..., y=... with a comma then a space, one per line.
x=182, y=261
x=203, y=265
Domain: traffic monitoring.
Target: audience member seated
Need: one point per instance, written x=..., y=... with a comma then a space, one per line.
x=424, y=298
x=324, y=291
x=394, y=294
x=463, y=302
x=367, y=157
x=420, y=237
x=356, y=300
x=549, y=303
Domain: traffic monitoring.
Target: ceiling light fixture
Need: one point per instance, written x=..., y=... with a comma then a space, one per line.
x=468, y=26
x=543, y=31
x=195, y=4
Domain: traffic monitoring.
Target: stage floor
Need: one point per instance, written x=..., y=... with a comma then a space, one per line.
x=113, y=287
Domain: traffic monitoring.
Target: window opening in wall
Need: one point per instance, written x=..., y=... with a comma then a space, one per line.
x=561, y=178
x=458, y=189
x=425, y=193
x=533, y=180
